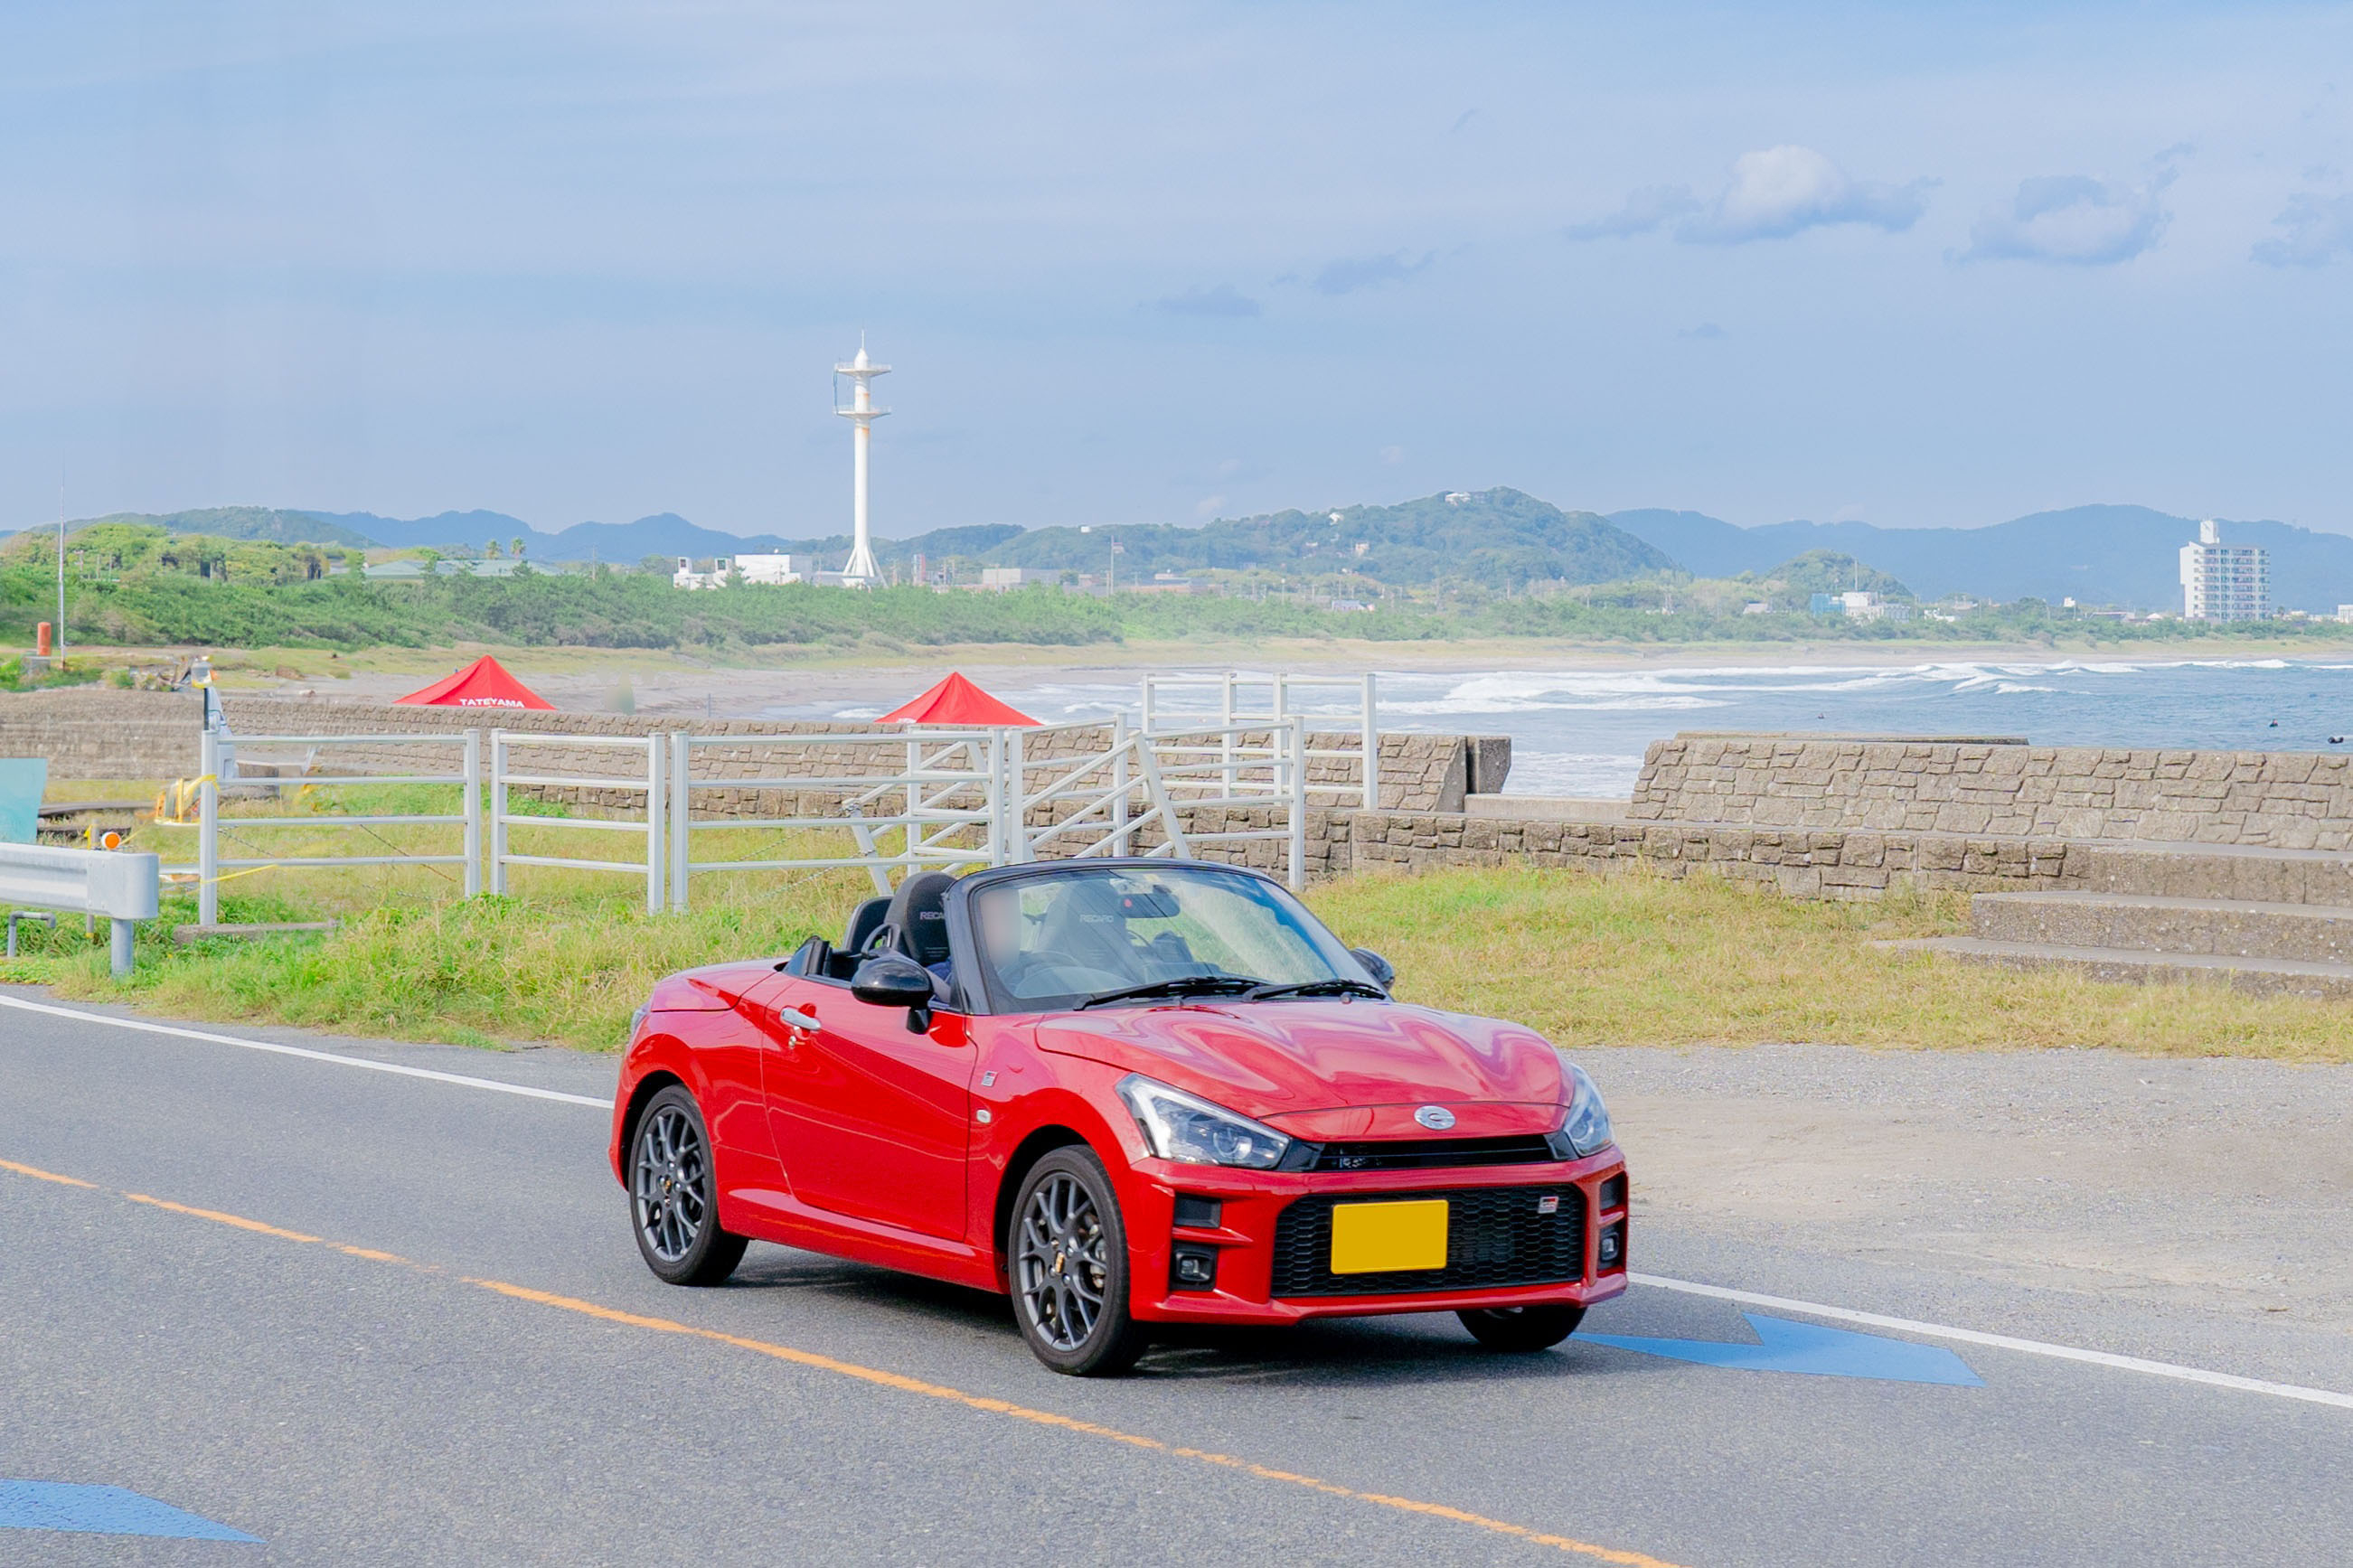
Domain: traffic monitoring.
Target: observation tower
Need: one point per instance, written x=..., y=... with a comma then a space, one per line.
x=861, y=572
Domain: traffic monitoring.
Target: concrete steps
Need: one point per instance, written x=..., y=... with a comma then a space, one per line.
x=2277, y=921
x=2263, y=975
x=2307, y=934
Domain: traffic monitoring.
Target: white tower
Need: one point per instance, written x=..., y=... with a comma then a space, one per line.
x=861, y=572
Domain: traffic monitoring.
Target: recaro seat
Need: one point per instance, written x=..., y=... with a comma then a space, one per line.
x=917, y=922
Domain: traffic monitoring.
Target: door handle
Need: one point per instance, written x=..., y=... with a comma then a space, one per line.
x=797, y=1018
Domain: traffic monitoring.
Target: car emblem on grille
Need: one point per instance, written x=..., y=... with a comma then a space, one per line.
x=1437, y=1117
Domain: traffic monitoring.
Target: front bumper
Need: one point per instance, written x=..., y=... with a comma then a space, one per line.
x=1250, y=1224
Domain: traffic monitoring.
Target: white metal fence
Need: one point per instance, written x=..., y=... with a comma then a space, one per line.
x=924, y=799
x=938, y=796
x=641, y=756
x=1242, y=701
x=213, y=868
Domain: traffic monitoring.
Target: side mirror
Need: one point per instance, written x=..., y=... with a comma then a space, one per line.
x=1383, y=971
x=891, y=980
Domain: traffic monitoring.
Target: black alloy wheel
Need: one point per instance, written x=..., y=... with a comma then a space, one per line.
x=1521, y=1329
x=674, y=1195
x=1067, y=1252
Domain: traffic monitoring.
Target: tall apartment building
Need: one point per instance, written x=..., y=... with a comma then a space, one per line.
x=2224, y=582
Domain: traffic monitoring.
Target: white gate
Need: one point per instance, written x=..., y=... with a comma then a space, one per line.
x=1243, y=701
x=940, y=791
x=643, y=759
x=212, y=867
x=1179, y=786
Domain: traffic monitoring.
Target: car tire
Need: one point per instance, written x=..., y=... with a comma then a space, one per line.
x=674, y=1195
x=1521, y=1329
x=1066, y=1261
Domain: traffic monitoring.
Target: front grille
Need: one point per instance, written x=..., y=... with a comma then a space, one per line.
x=1494, y=1235
x=1435, y=1154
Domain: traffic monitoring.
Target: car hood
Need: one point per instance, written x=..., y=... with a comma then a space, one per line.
x=1330, y=1068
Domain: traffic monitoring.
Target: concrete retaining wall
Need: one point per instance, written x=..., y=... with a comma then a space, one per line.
x=2289, y=800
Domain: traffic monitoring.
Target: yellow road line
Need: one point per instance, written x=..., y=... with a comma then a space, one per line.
x=46, y=1175
x=901, y=1383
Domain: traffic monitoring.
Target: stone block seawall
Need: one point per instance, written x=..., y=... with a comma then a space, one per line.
x=97, y=732
x=1808, y=863
x=2278, y=800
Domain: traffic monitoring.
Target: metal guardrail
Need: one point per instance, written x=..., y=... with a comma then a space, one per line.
x=1241, y=706
x=118, y=886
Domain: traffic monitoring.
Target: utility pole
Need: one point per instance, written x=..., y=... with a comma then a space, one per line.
x=61, y=568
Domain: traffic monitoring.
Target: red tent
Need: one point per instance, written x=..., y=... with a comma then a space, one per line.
x=955, y=700
x=484, y=683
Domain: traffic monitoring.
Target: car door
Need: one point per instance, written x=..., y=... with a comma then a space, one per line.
x=870, y=1120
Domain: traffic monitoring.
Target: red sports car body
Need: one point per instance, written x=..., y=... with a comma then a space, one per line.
x=1389, y=1158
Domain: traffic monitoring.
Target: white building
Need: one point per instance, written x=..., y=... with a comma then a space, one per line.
x=1012, y=577
x=686, y=576
x=2224, y=582
x=1872, y=607
x=775, y=570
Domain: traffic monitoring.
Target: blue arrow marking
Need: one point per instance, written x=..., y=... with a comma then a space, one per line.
x=103, y=1510
x=1786, y=1346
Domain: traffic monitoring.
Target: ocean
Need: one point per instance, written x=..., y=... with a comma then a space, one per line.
x=1583, y=732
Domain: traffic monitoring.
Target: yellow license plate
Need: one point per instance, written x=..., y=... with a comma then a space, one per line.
x=1374, y=1238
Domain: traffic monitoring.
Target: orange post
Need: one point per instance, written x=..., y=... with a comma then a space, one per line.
x=41, y=639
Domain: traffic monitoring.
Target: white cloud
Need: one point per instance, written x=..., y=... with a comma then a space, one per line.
x=1771, y=195
x=1645, y=210
x=2071, y=220
x=2319, y=229
x=1350, y=274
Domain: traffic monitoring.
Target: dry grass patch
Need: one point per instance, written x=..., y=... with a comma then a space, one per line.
x=1638, y=958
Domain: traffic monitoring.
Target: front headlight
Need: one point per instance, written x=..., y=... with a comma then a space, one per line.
x=1179, y=1127
x=1587, y=1128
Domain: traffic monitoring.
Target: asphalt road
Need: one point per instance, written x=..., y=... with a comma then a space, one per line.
x=369, y=1318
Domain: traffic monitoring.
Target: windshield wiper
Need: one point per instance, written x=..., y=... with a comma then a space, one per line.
x=1183, y=986
x=1335, y=987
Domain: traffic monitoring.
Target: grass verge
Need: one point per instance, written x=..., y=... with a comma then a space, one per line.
x=1643, y=960
x=1626, y=960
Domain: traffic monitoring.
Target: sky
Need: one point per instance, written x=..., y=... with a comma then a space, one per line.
x=1911, y=264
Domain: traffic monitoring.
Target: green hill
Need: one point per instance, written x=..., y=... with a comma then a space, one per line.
x=1829, y=571
x=260, y=522
x=1502, y=538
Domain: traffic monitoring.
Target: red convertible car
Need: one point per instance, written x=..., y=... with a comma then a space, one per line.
x=1126, y=1092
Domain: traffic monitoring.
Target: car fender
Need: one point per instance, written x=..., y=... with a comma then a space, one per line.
x=659, y=1048
x=1075, y=1097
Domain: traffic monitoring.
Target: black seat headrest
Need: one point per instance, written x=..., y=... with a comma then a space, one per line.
x=919, y=916
x=864, y=921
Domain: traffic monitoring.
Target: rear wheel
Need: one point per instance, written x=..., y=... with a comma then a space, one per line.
x=1067, y=1253
x=674, y=1195
x=1521, y=1329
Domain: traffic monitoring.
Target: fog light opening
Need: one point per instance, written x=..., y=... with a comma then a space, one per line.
x=1194, y=1269
x=1609, y=1248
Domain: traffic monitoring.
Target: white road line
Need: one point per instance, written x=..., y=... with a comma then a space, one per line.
x=144, y=1028
x=1688, y=1286
x=2005, y=1342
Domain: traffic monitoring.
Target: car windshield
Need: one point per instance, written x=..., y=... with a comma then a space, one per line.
x=1064, y=938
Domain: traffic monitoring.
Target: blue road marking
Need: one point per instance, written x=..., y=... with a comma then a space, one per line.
x=1786, y=1346
x=103, y=1510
